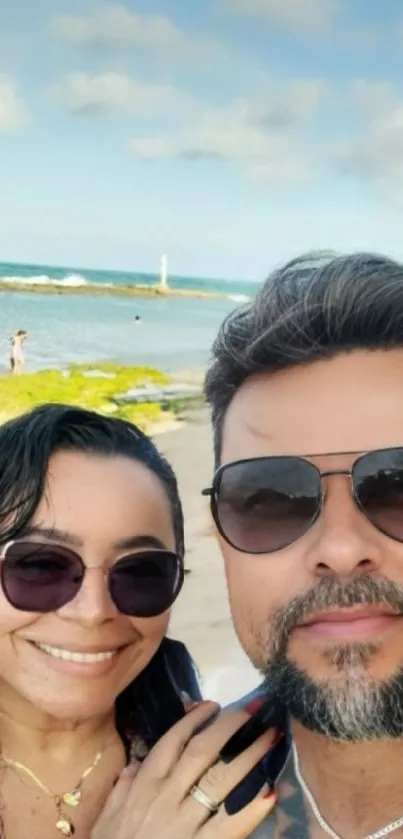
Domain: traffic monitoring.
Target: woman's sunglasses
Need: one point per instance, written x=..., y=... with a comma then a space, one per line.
x=265, y=504
x=40, y=577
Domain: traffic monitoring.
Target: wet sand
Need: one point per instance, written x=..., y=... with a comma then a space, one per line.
x=201, y=616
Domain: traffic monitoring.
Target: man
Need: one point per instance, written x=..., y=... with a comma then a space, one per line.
x=306, y=391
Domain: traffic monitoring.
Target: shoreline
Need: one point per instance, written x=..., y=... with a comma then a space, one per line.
x=155, y=291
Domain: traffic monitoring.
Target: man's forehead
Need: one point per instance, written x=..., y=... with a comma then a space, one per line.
x=349, y=403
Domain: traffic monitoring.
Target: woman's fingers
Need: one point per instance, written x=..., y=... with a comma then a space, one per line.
x=165, y=755
x=120, y=792
x=202, y=754
x=244, y=823
x=154, y=798
x=221, y=778
x=159, y=765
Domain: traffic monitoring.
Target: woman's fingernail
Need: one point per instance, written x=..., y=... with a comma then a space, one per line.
x=254, y=706
x=271, y=800
x=131, y=769
x=187, y=701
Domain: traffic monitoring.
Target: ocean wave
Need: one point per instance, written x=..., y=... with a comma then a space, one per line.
x=71, y=280
x=239, y=298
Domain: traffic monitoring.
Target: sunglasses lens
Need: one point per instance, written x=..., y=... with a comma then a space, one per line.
x=265, y=504
x=378, y=487
x=40, y=578
x=146, y=584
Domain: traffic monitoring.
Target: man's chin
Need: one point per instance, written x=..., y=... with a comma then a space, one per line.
x=348, y=706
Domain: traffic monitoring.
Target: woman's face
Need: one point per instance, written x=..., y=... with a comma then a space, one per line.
x=92, y=504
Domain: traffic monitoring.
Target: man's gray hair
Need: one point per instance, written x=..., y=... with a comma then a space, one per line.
x=315, y=307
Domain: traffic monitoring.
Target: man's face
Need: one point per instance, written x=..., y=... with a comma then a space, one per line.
x=341, y=677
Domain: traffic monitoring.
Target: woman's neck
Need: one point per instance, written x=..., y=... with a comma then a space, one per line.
x=37, y=739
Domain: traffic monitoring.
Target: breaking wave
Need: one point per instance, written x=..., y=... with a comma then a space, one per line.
x=71, y=280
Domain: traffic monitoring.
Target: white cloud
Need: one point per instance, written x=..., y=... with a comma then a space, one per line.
x=116, y=93
x=372, y=96
x=261, y=135
x=376, y=154
x=116, y=26
x=12, y=112
x=309, y=16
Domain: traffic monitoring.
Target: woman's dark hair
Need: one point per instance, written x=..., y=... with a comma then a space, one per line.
x=152, y=703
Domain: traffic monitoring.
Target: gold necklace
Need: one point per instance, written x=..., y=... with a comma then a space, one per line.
x=72, y=799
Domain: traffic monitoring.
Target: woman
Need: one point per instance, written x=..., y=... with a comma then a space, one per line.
x=16, y=350
x=91, y=537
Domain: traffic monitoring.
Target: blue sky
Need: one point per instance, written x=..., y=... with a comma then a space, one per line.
x=231, y=134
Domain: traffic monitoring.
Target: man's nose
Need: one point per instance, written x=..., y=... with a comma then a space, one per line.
x=92, y=604
x=343, y=541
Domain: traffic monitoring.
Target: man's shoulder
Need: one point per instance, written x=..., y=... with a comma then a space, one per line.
x=248, y=699
x=267, y=830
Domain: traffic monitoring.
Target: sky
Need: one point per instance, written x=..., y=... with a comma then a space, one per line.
x=230, y=134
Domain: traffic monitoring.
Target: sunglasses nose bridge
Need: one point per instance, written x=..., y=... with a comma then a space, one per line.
x=95, y=600
x=330, y=472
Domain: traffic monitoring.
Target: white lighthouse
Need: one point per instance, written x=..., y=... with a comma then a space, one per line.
x=163, y=284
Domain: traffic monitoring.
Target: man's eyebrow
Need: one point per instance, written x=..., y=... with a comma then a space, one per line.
x=54, y=534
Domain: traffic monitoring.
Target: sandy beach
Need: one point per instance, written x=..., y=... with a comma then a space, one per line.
x=201, y=616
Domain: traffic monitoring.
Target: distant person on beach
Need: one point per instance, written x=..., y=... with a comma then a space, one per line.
x=305, y=390
x=17, y=359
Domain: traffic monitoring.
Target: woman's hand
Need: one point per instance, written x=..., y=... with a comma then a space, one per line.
x=153, y=800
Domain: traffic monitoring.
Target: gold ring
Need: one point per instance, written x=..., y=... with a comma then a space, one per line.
x=202, y=798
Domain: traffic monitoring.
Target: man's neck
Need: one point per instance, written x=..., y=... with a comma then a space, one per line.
x=357, y=787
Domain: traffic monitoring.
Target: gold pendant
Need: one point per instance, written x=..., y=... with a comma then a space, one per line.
x=65, y=826
x=72, y=798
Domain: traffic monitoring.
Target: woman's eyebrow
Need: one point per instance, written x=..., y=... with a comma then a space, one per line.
x=141, y=541
x=54, y=534
x=51, y=534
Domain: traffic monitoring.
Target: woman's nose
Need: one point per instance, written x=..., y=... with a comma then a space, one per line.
x=92, y=604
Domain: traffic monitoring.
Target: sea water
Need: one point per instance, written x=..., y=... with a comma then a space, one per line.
x=172, y=333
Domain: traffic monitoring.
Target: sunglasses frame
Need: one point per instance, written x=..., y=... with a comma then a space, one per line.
x=106, y=572
x=213, y=491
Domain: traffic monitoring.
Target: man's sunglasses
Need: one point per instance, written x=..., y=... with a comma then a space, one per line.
x=40, y=577
x=264, y=504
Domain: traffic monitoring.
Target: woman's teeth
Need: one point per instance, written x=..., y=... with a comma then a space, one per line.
x=79, y=658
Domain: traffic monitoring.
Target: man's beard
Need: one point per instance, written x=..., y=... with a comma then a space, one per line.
x=352, y=706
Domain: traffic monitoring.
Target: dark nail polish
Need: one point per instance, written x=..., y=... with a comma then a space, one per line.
x=246, y=791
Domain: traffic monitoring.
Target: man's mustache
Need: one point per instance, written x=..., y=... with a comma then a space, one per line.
x=329, y=594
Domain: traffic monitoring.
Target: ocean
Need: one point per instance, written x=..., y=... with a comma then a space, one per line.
x=173, y=333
